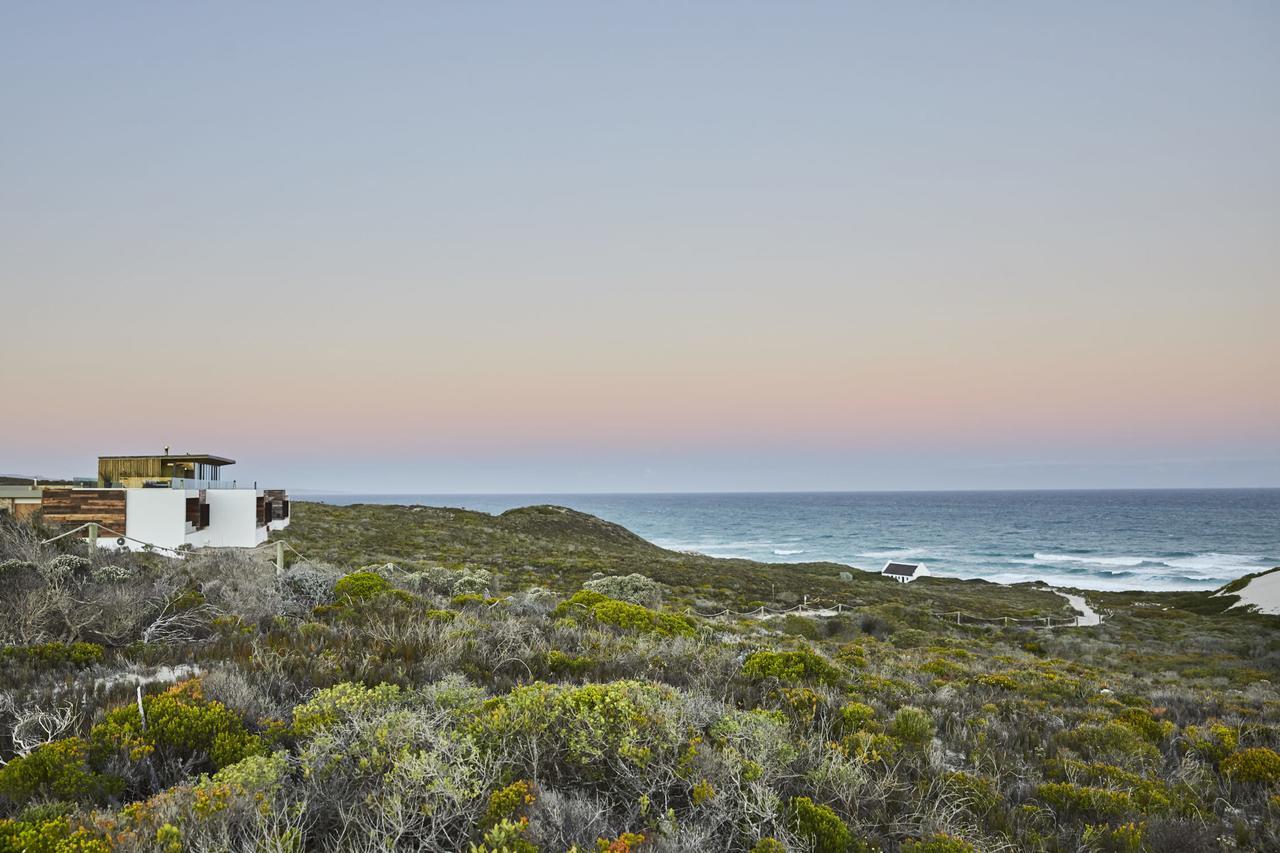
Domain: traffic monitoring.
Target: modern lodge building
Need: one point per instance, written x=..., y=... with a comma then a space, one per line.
x=166, y=500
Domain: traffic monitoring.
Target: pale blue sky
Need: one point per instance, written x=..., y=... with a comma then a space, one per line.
x=612, y=246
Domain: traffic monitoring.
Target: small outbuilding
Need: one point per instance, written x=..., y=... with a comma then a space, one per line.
x=904, y=572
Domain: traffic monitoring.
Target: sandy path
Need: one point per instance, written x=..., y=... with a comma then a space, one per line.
x=1089, y=617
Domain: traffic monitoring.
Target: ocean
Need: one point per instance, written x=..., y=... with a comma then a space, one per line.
x=1148, y=539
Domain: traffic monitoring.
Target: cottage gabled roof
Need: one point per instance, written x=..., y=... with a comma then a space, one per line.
x=905, y=569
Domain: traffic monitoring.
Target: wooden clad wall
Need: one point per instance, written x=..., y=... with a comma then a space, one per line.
x=73, y=507
x=115, y=470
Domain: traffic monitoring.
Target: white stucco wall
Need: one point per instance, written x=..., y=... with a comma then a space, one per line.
x=233, y=519
x=156, y=516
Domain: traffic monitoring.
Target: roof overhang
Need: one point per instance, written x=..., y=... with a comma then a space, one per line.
x=204, y=458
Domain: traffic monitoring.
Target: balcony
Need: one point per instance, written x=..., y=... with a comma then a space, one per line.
x=193, y=484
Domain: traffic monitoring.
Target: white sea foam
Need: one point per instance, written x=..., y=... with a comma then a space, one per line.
x=787, y=552
x=1213, y=560
x=1092, y=560
x=900, y=554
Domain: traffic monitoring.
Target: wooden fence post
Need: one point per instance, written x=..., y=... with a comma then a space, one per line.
x=280, y=557
x=93, y=536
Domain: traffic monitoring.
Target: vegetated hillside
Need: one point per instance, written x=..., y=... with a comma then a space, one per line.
x=560, y=548
x=443, y=680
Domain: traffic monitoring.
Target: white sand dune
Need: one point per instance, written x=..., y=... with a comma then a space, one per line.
x=1262, y=592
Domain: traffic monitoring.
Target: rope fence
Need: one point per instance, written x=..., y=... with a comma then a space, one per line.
x=959, y=617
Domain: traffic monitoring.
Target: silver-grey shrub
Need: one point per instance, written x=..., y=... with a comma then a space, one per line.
x=634, y=588
x=307, y=585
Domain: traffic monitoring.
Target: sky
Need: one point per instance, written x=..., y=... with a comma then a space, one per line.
x=559, y=247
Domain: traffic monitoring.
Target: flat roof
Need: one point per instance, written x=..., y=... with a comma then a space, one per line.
x=206, y=458
x=21, y=491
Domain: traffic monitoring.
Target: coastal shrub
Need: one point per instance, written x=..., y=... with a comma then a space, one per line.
x=510, y=802
x=358, y=586
x=306, y=586
x=433, y=579
x=1148, y=795
x=791, y=667
x=1146, y=725
x=912, y=725
x=506, y=836
x=1125, y=838
x=1113, y=743
x=79, y=654
x=634, y=588
x=57, y=834
x=1255, y=764
x=855, y=716
x=769, y=845
x=473, y=582
x=1212, y=742
x=940, y=842
x=333, y=704
x=580, y=602
x=181, y=729
x=819, y=825
x=621, y=614
x=58, y=770
x=757, y=742
x=1069, y=800
x=582, y=729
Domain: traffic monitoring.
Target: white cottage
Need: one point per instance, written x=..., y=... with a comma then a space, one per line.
x=904, y=572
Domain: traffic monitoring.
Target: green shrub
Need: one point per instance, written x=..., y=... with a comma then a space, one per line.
x=51, y=835
x=58, y=770
x=1125, y=838
x=79, y=654
x=505, y=836
x=181, y=727
x=939, y=842
x=818, y=824
x=1255, y=764
x=1146, y=725
x=856, y=716
x=342, y=701
x=633, y=617
x=769, y=845
x=1068, y=800
x=1213, y=742
x=790, y=667
x=359, y=586
x=978, y=793
x=912, y=725
x=578, y=603
x=1113, y=742
x=509, y=803
x=587, y=729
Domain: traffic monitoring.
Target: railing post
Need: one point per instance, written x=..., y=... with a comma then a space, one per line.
x=93, y=536
x=280, y=556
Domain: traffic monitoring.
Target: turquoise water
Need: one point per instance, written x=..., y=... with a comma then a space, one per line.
x=1158, y=539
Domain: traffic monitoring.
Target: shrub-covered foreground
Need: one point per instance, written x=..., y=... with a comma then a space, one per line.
x=213, y=704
